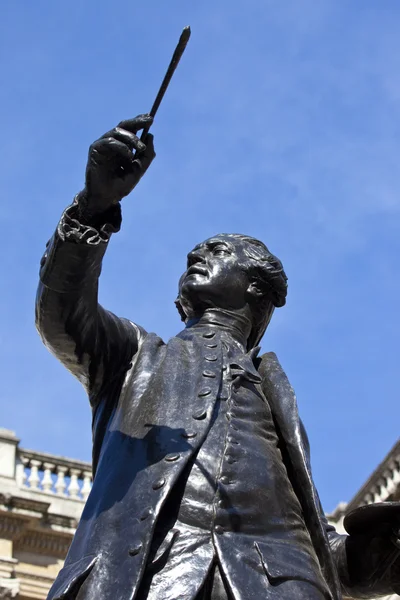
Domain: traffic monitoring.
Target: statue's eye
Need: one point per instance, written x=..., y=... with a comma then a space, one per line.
x=220, y=250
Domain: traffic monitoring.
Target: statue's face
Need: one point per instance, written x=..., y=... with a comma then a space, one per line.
x=215, y=277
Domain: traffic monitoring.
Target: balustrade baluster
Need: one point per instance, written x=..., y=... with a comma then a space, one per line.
x=20, y=473
x=396, y=476
x=60, y=484
x=34, y=478
x=73, y=488
x=376, y=494
x=47, y=481
x=87, y=484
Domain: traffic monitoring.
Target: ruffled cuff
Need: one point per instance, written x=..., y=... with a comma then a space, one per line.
x=98, y=231
x=73, y=257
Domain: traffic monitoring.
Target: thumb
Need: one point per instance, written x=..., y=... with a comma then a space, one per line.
x=147, y=156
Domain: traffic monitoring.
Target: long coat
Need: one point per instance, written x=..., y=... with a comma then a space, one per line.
x=144, y=428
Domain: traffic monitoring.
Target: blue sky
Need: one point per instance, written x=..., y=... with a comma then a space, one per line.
x=282, y=122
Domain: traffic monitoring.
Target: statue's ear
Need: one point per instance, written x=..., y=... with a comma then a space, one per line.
x=255, y=290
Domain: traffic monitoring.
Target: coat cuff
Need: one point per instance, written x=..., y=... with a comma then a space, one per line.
x=74, y=254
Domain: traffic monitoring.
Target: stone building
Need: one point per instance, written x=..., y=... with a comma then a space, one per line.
x=41, y=500
x=42, y=497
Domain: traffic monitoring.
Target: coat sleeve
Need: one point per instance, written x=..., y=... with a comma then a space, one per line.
x=92, y=343
x=336, y=540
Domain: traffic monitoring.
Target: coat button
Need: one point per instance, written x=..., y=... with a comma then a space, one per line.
x=204, y=392
x=219, y=529
x=209, y=334
x=158, y=483
x=146, y=513
x=135, y=550
x=189, y=434
x=172, y=457
x=224, y=479
x=209, y=374
x=201, y=414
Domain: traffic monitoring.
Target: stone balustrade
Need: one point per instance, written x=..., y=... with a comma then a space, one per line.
x=51, y=474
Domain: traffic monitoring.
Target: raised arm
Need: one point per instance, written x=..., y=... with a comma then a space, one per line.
x=95, y=345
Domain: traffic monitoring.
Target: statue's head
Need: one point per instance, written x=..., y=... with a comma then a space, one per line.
x=233, y=272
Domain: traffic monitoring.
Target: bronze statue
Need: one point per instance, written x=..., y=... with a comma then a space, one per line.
x=202, y=481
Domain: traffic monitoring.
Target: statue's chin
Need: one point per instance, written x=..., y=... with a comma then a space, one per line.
x=193, y=307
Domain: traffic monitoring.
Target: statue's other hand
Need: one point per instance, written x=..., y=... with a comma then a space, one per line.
x=374, y=557
x=113, y=170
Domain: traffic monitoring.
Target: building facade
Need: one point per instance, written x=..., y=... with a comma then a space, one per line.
x=41, y=500
x=42, y=497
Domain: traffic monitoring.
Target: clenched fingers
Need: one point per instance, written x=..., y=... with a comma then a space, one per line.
x=134, y=125
x=126, y=137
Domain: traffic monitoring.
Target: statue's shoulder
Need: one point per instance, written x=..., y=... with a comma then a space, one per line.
x=269, y=363
x=274, y=377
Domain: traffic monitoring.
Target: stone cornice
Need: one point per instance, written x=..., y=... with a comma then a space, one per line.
x=383, y=483
x=29, y=509
x=40, y=542
x=28, y=505
x=37, y=534
x=12, y=526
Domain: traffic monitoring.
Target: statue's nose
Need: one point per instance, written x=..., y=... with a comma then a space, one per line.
x=196, y=256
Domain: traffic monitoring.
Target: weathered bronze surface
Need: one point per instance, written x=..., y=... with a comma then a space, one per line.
x=202, y=482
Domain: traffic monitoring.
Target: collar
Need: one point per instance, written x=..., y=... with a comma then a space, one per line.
x=236, y=325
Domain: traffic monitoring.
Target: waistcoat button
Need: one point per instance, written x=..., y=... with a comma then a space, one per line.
x=204, y=392
x=172, y=457
x=189, y=434
x=146, y=513
x=219, y=529
x=158, y=483
x=209, y=334
x=212, y=345
x=201, y=414
x=209, y=374
x=211, y=358
x=135, y=550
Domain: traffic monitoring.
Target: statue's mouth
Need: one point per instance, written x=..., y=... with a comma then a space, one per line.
x=197, y=270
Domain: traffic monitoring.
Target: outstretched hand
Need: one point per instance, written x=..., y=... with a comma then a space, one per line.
x=113, y=170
